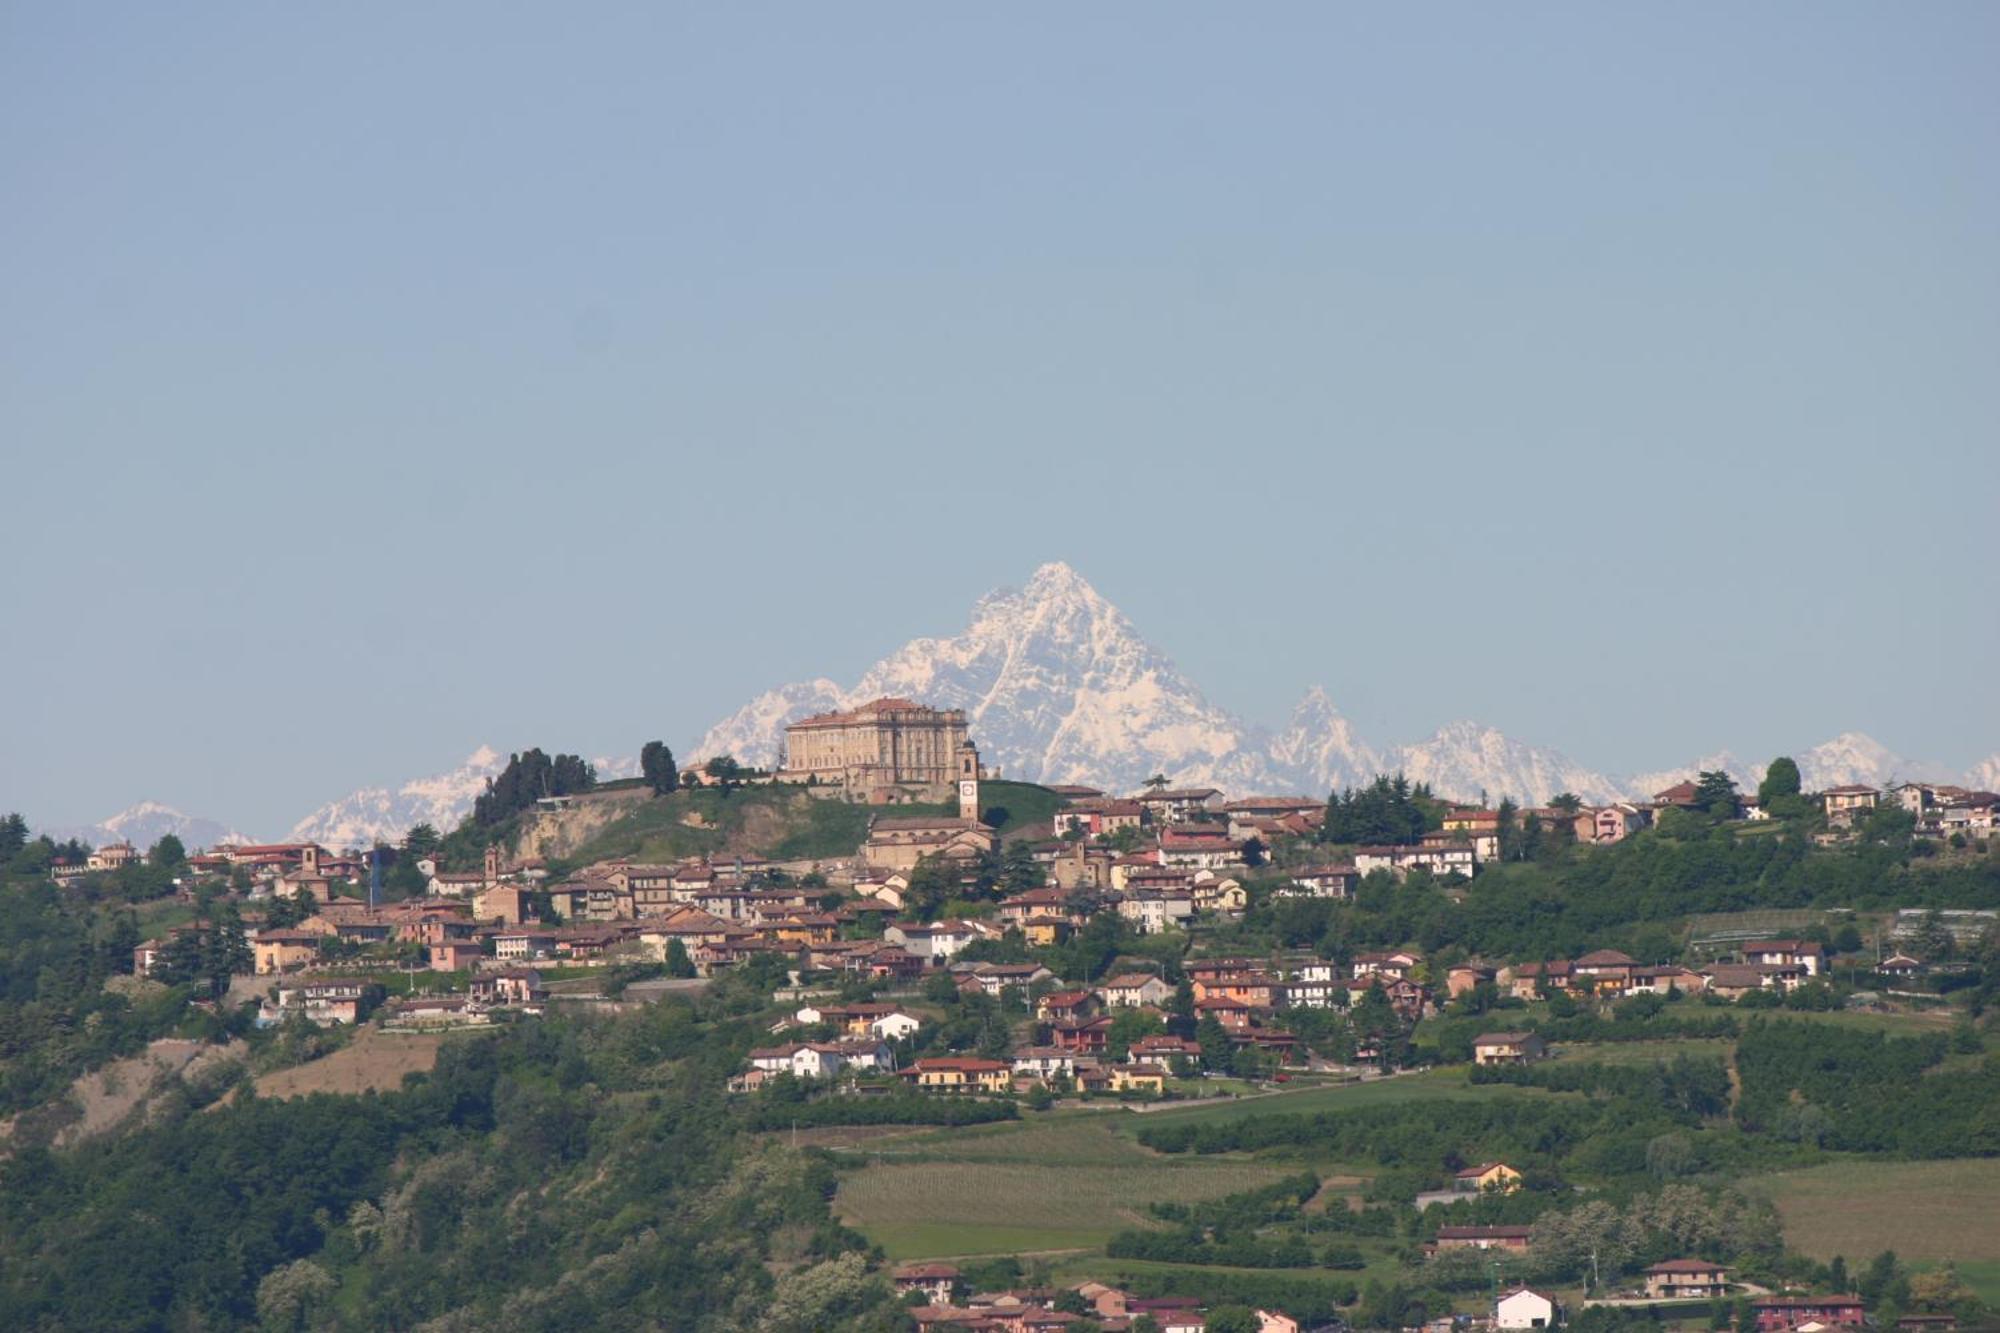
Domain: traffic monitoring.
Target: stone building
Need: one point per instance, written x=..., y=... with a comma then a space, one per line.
x=885, y=751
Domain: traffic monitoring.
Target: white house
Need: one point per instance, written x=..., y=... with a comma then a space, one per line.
x=1523, y=1308
x=1152, y=911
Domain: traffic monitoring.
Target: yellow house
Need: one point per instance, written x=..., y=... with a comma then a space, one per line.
x=283, y=950
x=956, y=1074
x=1496, y=1176
x=1138, y=1078
x=1046, y=930
x=1220, y=895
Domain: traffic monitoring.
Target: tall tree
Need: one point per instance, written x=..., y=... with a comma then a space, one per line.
x=168, y=853
x=1715, y=792
x=13, y=837
x=656, y=766
x=421, y=840
x=1780, y=779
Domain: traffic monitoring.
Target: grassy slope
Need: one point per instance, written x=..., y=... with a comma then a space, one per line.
x=1924, y=1211
x=1054, y=1183
x=783, y=823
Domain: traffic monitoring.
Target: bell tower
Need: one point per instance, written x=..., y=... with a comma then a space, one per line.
x=968, y=780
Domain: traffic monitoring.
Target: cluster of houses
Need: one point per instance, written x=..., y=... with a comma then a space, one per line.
x=950, y=1304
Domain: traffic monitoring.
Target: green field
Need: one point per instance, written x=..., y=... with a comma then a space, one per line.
x=1428, y=1086
x=1924, y=1211
x=1065, y=1182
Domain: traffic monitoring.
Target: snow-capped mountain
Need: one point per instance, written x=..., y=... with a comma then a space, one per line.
x=1058, y=686
x=442, y=800
x=1851, y=757
x=146, y=823
x=1464, y=759
x=361, y=818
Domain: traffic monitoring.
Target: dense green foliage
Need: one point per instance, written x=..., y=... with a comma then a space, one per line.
x=561, y=1174
x=1388, y=810
x=58, y=947
x=1865, y=1092
x=528, y=777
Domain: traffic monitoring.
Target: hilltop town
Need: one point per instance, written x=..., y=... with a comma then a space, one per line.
x=886, y=936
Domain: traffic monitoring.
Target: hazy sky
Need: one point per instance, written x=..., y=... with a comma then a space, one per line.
x=377, y=381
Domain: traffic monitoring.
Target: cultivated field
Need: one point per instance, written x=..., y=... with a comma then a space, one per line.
x=373, y=1060
x=1924, y=1211
x=1062, y=1183
x=1428, y=1086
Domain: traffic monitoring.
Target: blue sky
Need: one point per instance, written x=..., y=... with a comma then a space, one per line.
x=378, y=381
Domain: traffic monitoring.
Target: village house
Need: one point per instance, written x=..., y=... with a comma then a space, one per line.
x=1842, y=804
x=455, y=956
x=1696, y=1279
x=1602, y=972
x=1023, y=907
x=997, y=978
x=1043, y=1063
x=1179, y=805
x=935, y=944
x=1466, y=977
x=1398, y=963
x=1162, y=1050
x=1152, y=911
x=1776, y=1314
x=1232, y=1014
x=1195, y=848
x=1611, y=823
x=1068, y=1006
x=1219, y=893
x=1088, y=1036
x=1525, y=981
x=323, y=1003
x=1439, y=859
x=514, y=986
x=939, y=1282
x=1524, y=1308
x=283, y=950
x=1321, y=881
x=960, y=1074
x=1808, y=954
x=112, y=856
x=1137, y=1078
x=1096, y=816
x=1487, y=1177
x=1507, y=1048
x=1132, y=989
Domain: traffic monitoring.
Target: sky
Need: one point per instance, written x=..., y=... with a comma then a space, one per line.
x=381, y=381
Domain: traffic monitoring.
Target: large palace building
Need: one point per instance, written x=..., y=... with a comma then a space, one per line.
x=882, y=750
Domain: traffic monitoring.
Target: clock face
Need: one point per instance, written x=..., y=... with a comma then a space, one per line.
x=968, y=788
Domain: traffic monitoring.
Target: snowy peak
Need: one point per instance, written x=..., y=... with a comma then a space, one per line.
x=1464, y=760
x=362, y=817
x=1059, y=686
x=146, y=823
x=1321, y=748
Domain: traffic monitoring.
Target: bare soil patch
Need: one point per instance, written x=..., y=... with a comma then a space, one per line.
x=375, y=1060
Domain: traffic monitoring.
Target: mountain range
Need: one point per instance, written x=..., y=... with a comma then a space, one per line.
x=1059, y=686
x=146, y=823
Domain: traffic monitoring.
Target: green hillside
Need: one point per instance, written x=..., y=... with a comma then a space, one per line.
x=782, y=822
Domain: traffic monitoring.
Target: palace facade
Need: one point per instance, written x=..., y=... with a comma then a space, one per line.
x=881, y=750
